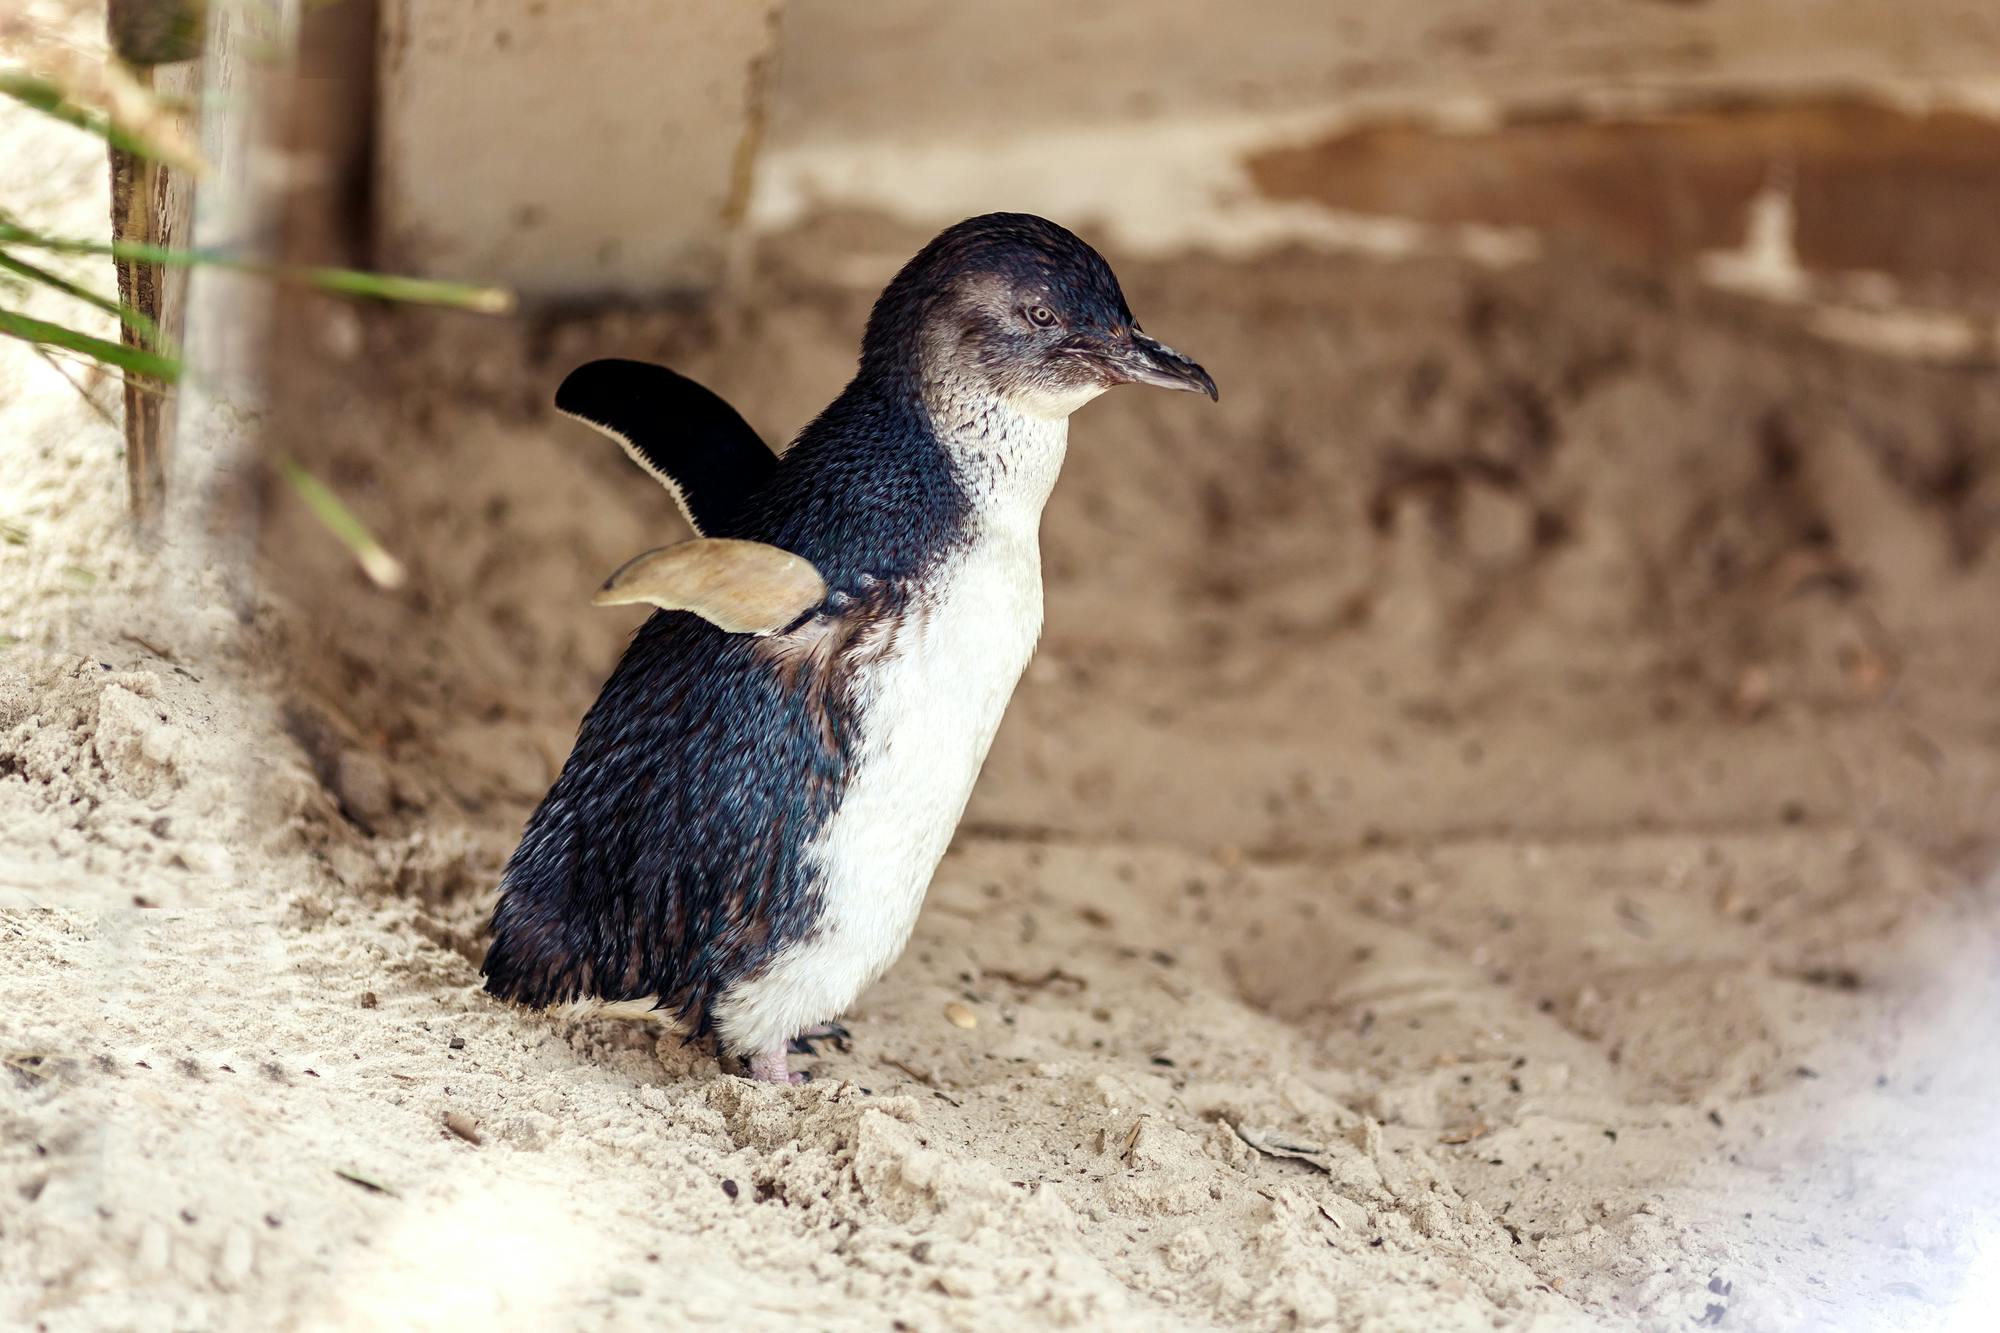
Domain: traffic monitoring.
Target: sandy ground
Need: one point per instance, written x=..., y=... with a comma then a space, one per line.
x=1498, y=835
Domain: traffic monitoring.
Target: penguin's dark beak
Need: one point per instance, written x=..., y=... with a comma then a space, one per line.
x=1133, y=358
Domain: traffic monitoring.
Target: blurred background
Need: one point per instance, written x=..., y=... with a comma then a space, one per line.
x=1500, y=830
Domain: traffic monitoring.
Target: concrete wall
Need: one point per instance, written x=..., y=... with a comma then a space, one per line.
x=1843, y=150
x=916, y=70
x=614, y=146
x=567, y=147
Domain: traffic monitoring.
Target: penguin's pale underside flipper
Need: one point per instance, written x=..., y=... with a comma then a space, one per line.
x=739, y=587
x=685, y=436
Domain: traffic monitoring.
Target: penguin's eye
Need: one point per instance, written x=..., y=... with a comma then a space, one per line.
x=1041, y=316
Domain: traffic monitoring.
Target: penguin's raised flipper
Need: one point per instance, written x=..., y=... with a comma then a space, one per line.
x=684, y=436
x=738, y=587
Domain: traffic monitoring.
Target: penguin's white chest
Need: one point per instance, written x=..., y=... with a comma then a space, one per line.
x=925, y=713
x=926, y=717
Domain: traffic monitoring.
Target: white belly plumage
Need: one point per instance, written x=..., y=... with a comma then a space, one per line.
x=927, y=711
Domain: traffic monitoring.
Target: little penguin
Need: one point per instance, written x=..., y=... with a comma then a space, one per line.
x=743, y=834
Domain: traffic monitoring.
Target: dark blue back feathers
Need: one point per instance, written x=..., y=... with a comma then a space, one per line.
x=669, y=858
x=666, y=859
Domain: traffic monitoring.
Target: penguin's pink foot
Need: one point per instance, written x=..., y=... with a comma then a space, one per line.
x=771, y=1067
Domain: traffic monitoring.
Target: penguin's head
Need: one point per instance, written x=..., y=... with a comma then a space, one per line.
x=1023, y=310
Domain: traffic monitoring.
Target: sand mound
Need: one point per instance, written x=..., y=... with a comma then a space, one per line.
x=1493, y=837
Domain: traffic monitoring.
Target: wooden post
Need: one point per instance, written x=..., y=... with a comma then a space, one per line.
x=151, y=203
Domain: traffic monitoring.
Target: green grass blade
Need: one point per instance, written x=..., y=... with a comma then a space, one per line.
x=136, y=320
x=376, y=562
x=415, y=291
x=48, y=99
x=343, y=281
x=132, y=360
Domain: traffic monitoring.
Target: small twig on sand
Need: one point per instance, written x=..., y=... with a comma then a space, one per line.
x=163, y=654
x=1048, y=978
x=928, y=1080
x=356, y=1178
